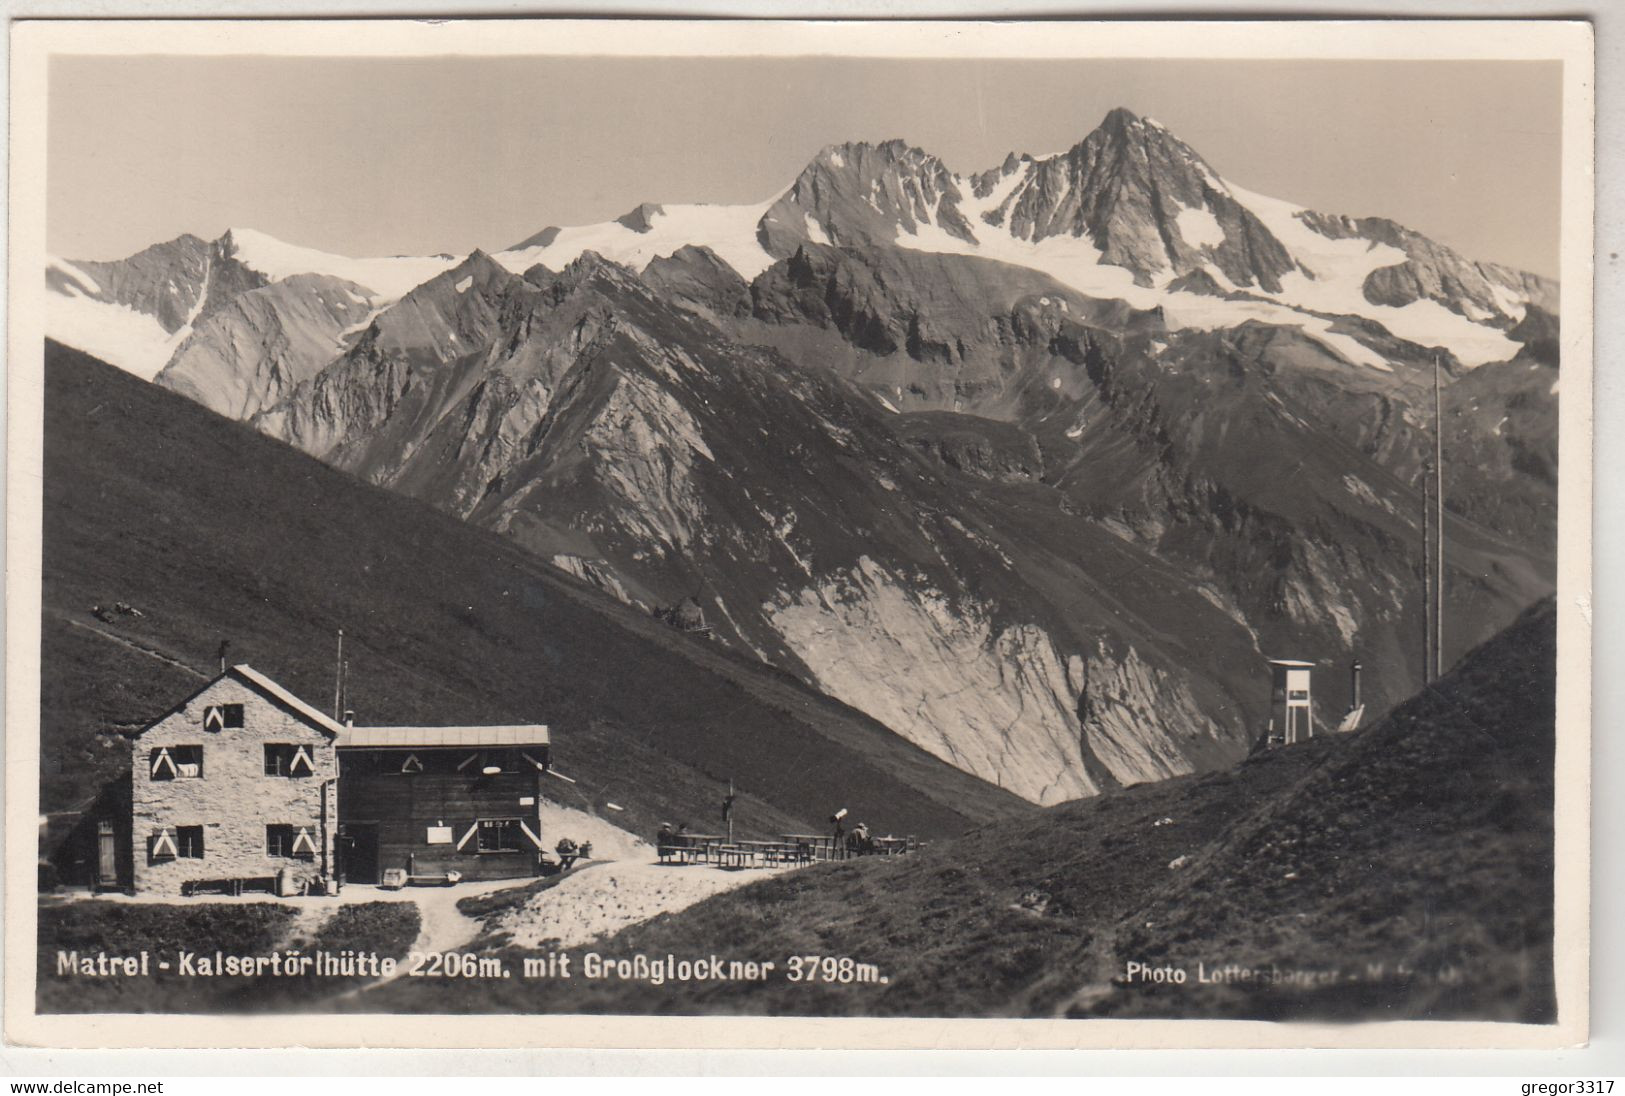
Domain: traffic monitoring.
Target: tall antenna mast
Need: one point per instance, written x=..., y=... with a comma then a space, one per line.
x=1427, y=570
x=338, y=680
x=1438, y=501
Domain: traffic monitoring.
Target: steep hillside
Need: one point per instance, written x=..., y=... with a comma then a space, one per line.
x=1402, y=872
x=215, y=533
x=633, y=443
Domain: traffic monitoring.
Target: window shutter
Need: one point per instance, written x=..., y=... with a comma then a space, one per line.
x=161, y=845
x=301, y=756
x=303, y=843
x=411, y=764
x=161, y=761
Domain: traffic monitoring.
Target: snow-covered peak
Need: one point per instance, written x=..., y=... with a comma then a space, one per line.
x=388, y=278
x=660, y=230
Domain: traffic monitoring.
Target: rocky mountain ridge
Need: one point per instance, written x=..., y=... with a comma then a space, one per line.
x=1035, y=467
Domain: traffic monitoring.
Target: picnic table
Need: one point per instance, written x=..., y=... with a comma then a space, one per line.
x=692, y=848
x=820, y=846
x=780, y=852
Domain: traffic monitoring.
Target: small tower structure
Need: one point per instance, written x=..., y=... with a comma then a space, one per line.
x=1291, y=717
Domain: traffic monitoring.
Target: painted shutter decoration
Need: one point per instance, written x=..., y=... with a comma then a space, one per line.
x=534, y=840
x=463, y=840
x=214, y=718
x=303, y=843
x=161, y=761
x=301, y=756
x=411, y=764
x=163, y=845
x=467, y=761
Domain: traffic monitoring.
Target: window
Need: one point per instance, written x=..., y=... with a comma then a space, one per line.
x=499, y=835
x=290, y=841
x=286, y=759
x=175, y=842
x=217, y=717
x=189, y=842
x=175, y=763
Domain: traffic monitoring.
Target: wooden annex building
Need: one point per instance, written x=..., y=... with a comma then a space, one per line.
x=244, y=785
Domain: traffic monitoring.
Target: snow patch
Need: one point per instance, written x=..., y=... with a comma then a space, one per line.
x=815, y=231
x=462, y=286
x=117, y=334
x=728, y=230
x=391, y=277
x=1339, y=269
x=1199, y=227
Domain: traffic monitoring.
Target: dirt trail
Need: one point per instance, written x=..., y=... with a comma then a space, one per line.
x=614, y=895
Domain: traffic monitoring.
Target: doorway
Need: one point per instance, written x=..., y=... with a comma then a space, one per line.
x=358, y=852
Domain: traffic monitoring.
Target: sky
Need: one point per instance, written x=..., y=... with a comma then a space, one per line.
x=371, y=157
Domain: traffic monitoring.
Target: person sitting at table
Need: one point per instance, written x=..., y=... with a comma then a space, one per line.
x=665, y=839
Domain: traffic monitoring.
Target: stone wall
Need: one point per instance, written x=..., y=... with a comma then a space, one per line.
x=233, y=799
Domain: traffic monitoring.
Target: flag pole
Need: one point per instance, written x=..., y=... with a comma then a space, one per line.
x=1438, y=501
x=1427, y=571
x=730, y=812
x=338, y=680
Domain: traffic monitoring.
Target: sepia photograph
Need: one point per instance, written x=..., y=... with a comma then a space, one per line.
x=915, y=522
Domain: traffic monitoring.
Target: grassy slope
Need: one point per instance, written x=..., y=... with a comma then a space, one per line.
x=216, y=532
x=1424, y=840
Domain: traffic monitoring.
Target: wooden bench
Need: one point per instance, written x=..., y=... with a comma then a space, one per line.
x=234, y=887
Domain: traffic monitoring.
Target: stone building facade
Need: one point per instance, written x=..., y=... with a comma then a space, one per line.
x=239, y=782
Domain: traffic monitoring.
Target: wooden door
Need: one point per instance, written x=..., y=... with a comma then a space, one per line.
x=358, y=852
x=106, y=855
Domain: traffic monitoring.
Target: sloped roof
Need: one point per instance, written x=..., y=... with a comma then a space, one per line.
x=253, y=677
x=266, y=688
x=521, y=734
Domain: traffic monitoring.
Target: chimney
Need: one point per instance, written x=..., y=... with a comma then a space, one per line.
x=1354, y=685
x=349, y=717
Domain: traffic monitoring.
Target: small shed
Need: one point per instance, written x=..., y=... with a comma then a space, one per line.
x=1291, y=711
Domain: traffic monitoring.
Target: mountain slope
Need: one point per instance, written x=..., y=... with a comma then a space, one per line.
x=1034, y=466
x=628, y=441
x=1421, y=846
x=252, y=350
x=1129, y=213
x=214, y=532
